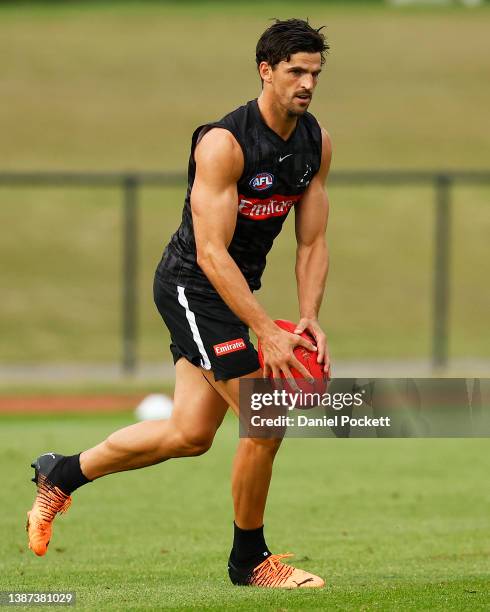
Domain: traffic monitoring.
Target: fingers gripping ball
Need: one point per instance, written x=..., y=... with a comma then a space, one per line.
x=306, y=357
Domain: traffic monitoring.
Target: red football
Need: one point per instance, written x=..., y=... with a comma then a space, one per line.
x=306, y=357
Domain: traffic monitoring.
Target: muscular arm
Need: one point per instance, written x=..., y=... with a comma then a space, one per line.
x=312, y=253
x=214, y=197
x=214, y=204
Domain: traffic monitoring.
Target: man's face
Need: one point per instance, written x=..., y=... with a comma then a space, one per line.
x=293, y=83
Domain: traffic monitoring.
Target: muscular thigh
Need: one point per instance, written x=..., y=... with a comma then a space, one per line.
x=229, y=390
x=197, y=405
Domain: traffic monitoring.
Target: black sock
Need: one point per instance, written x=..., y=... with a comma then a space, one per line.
x=67, y=474
x=249, y=547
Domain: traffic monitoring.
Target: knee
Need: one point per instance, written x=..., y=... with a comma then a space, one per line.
x=193, y=444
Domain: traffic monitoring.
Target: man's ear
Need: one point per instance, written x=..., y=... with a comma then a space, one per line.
x=265, y=71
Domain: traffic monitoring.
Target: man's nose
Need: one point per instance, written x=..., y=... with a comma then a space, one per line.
x=308, y=82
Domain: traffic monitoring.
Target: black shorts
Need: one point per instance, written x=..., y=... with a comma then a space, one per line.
x=205, y=331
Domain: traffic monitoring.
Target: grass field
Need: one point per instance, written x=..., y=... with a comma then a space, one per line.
x=390, y=524
x=121, y=86
x=62, y=298
x=124, y=85
x=400, y=524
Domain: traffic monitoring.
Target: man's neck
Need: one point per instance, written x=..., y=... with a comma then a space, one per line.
x=276, y=117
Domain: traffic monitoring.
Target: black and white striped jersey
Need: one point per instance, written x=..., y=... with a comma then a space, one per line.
x=276, y=173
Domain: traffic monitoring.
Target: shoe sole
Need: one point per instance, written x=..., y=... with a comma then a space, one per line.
x=29, y=542
x=34, y=465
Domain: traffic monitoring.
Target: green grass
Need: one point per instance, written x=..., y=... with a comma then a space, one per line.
x=126, y=87
x=123, y=86
x=63, y=298
x=391, y=524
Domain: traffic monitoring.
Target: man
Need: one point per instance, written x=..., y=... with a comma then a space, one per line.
x=245, y=173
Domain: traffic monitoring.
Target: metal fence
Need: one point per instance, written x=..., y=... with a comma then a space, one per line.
x=130, y=182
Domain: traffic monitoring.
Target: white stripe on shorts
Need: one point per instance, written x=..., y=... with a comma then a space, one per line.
x=205, y=363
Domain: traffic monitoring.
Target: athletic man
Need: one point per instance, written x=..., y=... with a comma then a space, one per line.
x=246, y=172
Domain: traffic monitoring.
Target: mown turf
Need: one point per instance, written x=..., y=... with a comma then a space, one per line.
x=391, y=524
x=124, y=86
x=64, y=289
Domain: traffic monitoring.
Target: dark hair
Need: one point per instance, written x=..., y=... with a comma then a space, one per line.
x=284, y=38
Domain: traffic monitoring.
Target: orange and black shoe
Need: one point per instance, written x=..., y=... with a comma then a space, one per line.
x=273, y=573
x=50, y=500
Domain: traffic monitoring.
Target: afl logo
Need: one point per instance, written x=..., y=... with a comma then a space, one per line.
x=262, y=181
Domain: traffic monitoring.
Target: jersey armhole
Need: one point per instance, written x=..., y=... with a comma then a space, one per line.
x=315, y=127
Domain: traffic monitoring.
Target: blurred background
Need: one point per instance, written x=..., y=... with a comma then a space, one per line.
x=118, y=87
x=98, y=101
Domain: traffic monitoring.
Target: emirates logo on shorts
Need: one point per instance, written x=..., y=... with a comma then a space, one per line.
x=229, y=347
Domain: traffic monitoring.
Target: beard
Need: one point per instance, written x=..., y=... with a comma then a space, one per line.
x=294, y=111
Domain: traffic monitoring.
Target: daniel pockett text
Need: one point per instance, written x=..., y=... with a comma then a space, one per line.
x=301, y=420
x=292, y=407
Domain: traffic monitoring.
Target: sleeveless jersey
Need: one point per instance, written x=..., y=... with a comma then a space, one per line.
x=275, y=175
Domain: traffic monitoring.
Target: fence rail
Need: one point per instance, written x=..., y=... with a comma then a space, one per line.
x=130, y=182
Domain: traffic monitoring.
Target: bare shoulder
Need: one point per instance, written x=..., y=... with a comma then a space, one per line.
x=219, y=152
x=326, y=142
x=326, y=154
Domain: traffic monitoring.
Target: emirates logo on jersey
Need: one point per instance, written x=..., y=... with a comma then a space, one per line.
x=259, y=209
x=262, y=181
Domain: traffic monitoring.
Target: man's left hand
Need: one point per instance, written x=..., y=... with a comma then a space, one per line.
x=313, y=328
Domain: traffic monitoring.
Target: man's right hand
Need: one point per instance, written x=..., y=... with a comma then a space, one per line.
x=277, y=350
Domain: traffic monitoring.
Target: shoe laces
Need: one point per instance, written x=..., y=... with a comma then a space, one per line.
x=272, y=571
x=50, y=499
